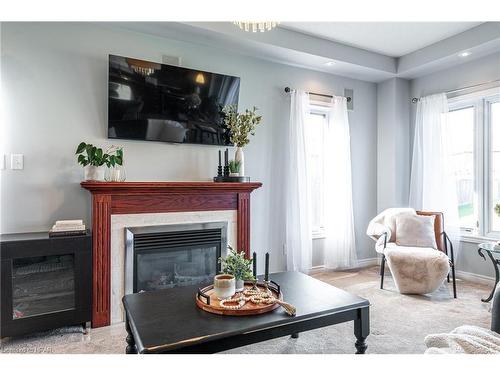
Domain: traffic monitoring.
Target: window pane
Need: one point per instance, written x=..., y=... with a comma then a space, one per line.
x=314, y=136
x=461, y=125
x=494, y=165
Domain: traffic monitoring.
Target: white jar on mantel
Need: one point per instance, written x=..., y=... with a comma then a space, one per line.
x=93, y=173
x=240, y=157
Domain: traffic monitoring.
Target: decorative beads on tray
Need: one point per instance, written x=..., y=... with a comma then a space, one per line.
x=254, y=294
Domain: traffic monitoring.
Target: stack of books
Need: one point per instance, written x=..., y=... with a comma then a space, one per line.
x=67, y=228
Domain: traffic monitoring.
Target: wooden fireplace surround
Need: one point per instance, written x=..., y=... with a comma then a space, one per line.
x=115, y=198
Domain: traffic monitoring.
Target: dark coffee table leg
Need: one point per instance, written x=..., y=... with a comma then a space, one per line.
x=362, y=329
x=295, y=335
x=131, y=348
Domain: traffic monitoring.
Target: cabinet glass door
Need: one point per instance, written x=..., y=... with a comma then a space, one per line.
x=41, y=285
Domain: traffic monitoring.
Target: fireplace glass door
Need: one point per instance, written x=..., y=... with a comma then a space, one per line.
x=172, y=267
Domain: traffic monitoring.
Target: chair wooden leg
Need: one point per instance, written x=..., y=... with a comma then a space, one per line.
x=448, y=278
x=382, y=271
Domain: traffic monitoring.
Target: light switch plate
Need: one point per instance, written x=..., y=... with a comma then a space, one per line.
x=16, y=161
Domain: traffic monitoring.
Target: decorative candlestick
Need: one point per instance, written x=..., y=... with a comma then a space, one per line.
x=219, y=168
x=226, y=162
x=254, y=265
x=266, y=273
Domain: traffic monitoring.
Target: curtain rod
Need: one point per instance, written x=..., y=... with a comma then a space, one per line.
x=288, y=90
x=414, y=100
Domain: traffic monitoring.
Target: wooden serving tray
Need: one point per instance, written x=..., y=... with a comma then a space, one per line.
x=211, y=304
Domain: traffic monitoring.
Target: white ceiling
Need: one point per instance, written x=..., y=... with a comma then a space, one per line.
x=393, y=39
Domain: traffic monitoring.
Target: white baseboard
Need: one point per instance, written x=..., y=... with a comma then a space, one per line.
x=474, y=277
x=367, y=262
x=362, y=263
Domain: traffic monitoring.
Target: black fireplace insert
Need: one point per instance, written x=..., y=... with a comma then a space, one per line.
x=166, y=256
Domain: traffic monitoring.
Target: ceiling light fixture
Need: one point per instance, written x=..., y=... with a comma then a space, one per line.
x=256, y=26
x=330, y=63
x=464, y=54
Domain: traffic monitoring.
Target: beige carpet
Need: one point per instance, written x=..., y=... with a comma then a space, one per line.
x=399, y=323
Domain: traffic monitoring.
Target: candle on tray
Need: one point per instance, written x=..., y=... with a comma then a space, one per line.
x=254, y=265
x=266, y=274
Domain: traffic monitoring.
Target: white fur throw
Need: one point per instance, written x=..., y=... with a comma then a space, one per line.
x=417, y=270
x=385, y=222
x=415, y=230
x=464, y=339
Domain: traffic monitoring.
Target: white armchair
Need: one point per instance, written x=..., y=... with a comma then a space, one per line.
x=415, y=269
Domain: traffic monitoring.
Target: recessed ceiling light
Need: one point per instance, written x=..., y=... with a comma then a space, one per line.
x=330, y=63
x=464, y=54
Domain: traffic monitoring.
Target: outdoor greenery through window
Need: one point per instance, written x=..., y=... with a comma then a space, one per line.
x=316, y=122
x=474, y=132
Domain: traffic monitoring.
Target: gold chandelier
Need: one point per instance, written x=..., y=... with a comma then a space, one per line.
x=256, y=26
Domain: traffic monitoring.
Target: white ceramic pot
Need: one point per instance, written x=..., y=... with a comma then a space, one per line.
x=240, y=156
x=93, y=173
x=224, y=286
x=240, y=285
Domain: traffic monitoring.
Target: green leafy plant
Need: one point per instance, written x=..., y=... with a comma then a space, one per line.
x=497, y=209
x=234, y=166
x=88, y=154
x=115, y=156
x=237, y=265
x=241, y=125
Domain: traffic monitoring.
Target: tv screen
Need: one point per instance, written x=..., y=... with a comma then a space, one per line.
x=157, y=102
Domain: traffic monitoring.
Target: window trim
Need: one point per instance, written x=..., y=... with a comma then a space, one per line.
x=481, y=102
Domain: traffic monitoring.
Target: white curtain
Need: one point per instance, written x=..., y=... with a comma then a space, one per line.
x=432, y=182
x=340, y=244
x=297, y=193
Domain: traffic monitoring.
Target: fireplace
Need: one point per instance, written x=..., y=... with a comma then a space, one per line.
x=142, y=203
x=167, y=256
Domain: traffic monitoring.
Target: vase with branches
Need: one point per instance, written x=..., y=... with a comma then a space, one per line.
x=241, y=126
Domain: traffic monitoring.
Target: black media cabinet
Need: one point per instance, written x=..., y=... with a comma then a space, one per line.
x=45, y=282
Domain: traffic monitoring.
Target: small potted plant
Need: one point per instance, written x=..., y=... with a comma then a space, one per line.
x=237, y=265
x=115, y=171
x=93, y=159
x=240, y=126
x=234, y=168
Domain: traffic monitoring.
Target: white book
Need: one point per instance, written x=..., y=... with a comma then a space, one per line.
x=69, y=222
x=67, y=228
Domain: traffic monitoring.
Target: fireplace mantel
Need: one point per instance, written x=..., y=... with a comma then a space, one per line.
x=115, y=198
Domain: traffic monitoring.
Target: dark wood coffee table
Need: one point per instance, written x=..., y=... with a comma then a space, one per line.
x=168, y=321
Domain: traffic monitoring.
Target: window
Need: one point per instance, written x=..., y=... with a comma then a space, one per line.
x=315, y=126
x=474, y=141
x=462, y=137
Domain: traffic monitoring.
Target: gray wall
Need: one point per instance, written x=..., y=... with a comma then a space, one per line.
x=54, y=77
x=393, y=127
x=470, y=73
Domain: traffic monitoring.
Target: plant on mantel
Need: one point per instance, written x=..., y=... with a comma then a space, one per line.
x=92, y=158
x=240, y=126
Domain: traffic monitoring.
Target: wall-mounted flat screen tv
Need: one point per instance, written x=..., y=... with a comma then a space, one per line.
x=157, y=102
